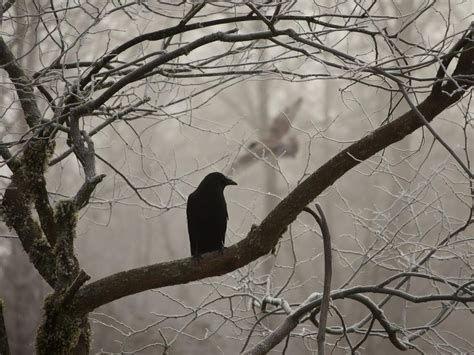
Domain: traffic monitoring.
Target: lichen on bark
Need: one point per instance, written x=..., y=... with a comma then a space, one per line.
x=61, y=332
x=67, y=266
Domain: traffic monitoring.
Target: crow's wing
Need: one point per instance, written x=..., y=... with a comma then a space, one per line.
x=213, y=221
x=192, y=212
x=221, y=222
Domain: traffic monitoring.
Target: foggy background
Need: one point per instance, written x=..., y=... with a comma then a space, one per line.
x=382, y=214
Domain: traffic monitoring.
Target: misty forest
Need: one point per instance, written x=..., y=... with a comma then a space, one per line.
x=346, y=125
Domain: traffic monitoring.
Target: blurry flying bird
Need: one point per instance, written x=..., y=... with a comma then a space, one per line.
x=207, y=214
x=272, y=142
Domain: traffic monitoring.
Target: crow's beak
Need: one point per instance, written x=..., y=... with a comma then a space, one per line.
x=230, y=182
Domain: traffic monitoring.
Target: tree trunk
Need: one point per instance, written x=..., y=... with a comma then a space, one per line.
x=61, y=332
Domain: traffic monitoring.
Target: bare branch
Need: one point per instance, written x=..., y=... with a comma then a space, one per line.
x=183, y=50
x=82, y=196
x=7, y=5
x=378, y=314
x=16, y=210
x=23, y=85
x=327, y=280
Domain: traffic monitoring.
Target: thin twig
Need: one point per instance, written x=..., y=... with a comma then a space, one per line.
x=366, y=335
x=378, y=314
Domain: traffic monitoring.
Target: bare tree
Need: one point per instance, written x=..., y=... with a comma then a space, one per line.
x=85, y=141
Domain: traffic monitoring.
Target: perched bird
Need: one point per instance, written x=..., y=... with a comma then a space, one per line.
x=207, y=214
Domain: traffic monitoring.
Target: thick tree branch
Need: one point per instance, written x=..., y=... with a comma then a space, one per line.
x=67, y=265
x=82, y=196
x=28, y=182
x=29, y=185
x=23, y=85
x=18, y=215
x=44, y=209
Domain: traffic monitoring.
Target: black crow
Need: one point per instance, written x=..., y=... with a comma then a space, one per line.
x=207, y=214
